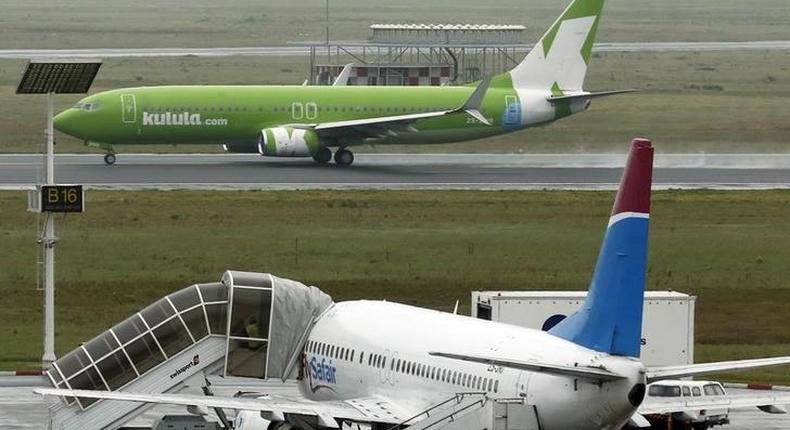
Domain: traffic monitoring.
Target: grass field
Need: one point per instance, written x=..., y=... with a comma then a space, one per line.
x=203, y=23
x=425, y=248
x=691, y=102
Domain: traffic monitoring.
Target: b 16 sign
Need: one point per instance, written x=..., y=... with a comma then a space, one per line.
x=62, y=198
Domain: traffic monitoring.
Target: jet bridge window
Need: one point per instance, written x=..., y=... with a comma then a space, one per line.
x=101, y=345
x=157, y=312
x=195, y=320
x=145, y=353
x=185, y=299
x=73, y=362
x=248, y=329
x=87, y=380
x=172, y=336
x=129, y=329
x=116, y=370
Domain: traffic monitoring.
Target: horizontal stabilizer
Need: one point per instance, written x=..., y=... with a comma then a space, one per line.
x=585, y=95
x=673, y=372
x=588, y=373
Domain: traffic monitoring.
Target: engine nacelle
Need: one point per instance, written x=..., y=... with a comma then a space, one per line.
x=249, y=420
x=288, y=142
x=241, y=147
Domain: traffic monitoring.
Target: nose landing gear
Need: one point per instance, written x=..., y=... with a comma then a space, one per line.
x=109, y=159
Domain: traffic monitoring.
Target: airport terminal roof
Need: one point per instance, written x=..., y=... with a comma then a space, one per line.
x=448, y=33
x=448, y=27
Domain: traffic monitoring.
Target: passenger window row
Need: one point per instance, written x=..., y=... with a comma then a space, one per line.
x=331, y=351
x=434, y=373
x=367, y=109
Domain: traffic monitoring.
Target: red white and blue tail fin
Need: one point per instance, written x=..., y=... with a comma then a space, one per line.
x=610, y=320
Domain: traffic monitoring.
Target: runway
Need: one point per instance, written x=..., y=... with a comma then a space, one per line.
x=396, y=171
x=355, y=47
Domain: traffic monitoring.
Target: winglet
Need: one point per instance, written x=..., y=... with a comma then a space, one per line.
x=472, y=105
x=610, y=320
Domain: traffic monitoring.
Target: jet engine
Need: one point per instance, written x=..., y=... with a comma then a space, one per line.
x=241, y=147
x=288, y=142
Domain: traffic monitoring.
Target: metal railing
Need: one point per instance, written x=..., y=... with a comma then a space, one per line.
x=458, y=398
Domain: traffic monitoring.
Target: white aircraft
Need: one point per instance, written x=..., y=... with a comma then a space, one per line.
x=383, y=363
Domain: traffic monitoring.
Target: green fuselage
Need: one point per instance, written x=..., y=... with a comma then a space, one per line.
x=204, y=114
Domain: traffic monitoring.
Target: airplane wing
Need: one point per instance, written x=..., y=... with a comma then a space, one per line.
x=587, y=373
x=670, y=405
x=369, y=409
x=390, y=125
x=673, y=372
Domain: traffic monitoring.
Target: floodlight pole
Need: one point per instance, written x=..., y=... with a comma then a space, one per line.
x=48, y=242
x=328, y=54
x=54, y=77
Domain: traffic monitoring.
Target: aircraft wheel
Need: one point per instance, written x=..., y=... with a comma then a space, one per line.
x=109, y=159
x=344, y=157
x=323, y=155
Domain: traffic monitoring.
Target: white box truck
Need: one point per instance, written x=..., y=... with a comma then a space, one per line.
x=667, y=329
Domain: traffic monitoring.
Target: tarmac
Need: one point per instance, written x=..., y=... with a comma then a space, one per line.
x=20, y=409
x=396, y=171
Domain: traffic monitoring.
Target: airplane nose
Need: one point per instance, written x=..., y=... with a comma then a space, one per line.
x=64, y=122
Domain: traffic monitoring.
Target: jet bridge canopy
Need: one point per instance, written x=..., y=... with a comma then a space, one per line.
x=249, y=324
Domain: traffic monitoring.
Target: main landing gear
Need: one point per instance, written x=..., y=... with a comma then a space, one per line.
x=109, y=159
x=323, y=155
x=343, y=157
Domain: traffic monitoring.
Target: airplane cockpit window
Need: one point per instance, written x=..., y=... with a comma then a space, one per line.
x=664, y=391
x=695, y=391
x=686, y=392
x=89, y=107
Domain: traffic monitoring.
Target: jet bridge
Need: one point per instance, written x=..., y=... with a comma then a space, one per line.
x=250, y=325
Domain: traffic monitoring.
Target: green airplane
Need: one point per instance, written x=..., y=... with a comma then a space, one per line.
x=309, y=121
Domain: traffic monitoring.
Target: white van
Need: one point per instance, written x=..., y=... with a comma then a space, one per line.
x=699, y=419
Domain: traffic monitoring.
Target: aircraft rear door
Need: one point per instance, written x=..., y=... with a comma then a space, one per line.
x=512, y=116
x=128, y=108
